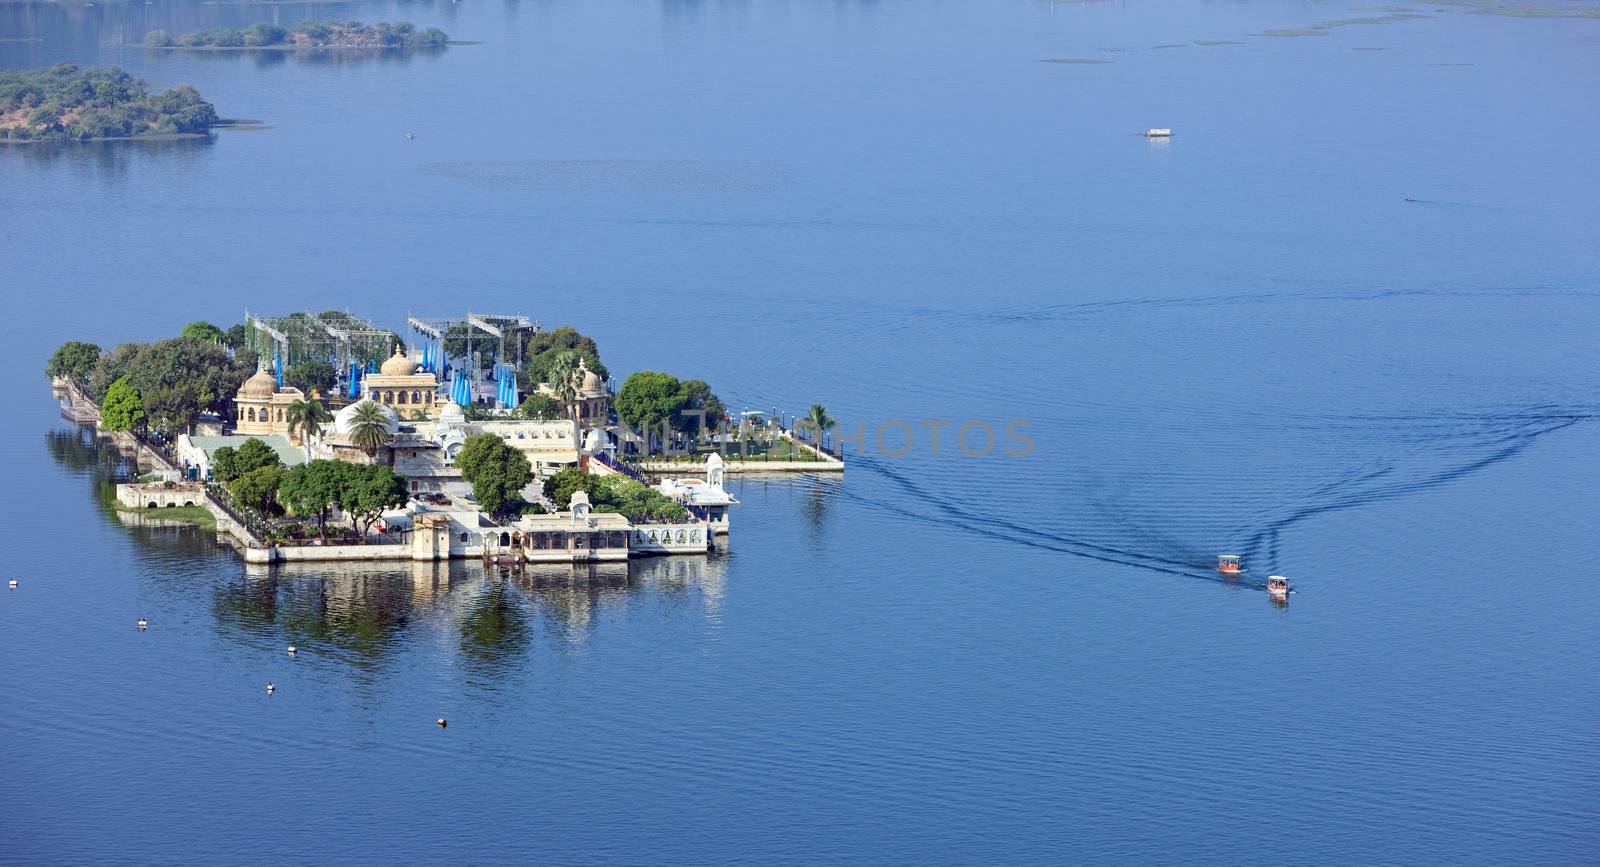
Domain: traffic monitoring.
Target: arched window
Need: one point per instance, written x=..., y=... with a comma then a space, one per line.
x=251, y=414
x=416, y=397
x=505, y=540
x=402, y=397
x=463, y=537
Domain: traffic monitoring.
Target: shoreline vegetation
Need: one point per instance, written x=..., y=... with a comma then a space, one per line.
x=66, y=102
x=399, y=35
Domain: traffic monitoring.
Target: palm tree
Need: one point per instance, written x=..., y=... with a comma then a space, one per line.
x=369, y=428
x=564, y=379
x=819, y=421
x=306, y=418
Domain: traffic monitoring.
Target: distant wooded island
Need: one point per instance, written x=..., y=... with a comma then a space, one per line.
x=306, y=34
x=65, y=102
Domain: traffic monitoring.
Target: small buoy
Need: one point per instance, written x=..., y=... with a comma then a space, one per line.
x=443, y=722
x=291, y=650
x=409, y=135
x=12, y=584
x=142, y=624
x=270, y=687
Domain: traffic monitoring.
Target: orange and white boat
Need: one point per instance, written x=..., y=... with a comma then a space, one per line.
x=1229, y=564
x=1278, y=586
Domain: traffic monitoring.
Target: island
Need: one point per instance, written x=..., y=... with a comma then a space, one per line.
x=307, y=34
x=66, y=102
x=329, y=437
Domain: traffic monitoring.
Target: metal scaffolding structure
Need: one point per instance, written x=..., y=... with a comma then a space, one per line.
x=337, y=337
x=467, y=338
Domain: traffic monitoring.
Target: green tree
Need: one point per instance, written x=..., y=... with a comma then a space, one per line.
x=560, y=485
x=313, y=377
x=702, y=409
x=539, y=407
x=122, y=409
x=225, y=464
x=496, y=471
x=369, y=490
x=312, y=490
x=264, y=34
x=179, y=362
x=74, y=360
x=818, y=421
x=203, y=331
x=257, y=489
x=173, y=409
x=648, y=399
x=540, y=348
x=236, y=336
x=254, y=454
x=306, y=418
x=369, y=428
x=564, y=378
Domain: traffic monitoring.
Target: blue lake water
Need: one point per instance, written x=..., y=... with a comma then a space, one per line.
x=1243, y=338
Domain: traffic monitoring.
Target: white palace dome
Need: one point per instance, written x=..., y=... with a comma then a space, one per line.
x=344, y=419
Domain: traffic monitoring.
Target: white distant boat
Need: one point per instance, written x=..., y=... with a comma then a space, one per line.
x=1153, y=132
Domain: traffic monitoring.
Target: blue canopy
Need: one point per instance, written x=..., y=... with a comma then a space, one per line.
x=277, y=366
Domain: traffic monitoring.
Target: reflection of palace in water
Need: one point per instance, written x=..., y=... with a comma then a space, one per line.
x=367, y=610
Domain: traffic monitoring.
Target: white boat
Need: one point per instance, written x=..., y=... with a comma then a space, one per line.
x=1277, y=585
x=1153, y=132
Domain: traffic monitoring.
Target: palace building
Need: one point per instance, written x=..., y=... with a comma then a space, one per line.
x=261, y=407
x=412, y=394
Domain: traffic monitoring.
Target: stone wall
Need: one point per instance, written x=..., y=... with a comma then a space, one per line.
x=159, y=496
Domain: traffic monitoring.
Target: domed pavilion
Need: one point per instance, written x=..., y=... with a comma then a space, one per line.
x=261, y=407
x=398, y=385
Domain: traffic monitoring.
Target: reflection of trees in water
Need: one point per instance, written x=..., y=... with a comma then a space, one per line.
x=367, y=613
x=110, y=159
x=570, y=597
x=680, y=576
x=82, y=451
x=494, y=628
x=79, y=449
x=818, y=500
x=361, y=612
x=263, y=58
